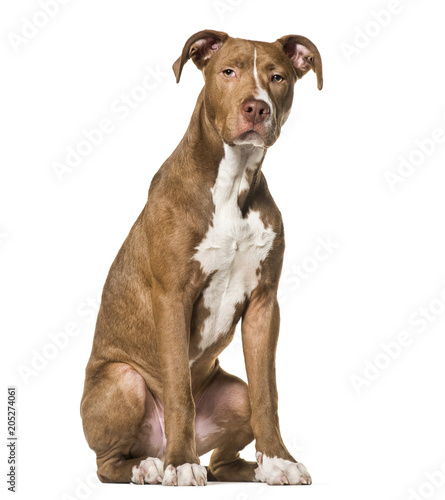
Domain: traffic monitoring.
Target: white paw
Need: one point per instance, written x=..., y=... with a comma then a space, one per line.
x=279, y=471
x=150, y=471
x=185, y=475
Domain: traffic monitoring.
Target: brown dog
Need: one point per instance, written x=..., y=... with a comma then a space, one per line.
x=205, y=252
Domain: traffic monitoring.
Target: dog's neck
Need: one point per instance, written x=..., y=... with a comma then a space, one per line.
x=240, y=164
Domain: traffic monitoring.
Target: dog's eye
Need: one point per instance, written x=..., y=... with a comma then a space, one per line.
x=229, y=72
x=277, y=78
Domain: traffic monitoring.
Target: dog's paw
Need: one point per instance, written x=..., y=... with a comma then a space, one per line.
x=185, y=475
x=280, y=471
x=149, y=471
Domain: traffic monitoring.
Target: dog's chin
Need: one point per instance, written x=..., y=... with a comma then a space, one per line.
x=250, y=137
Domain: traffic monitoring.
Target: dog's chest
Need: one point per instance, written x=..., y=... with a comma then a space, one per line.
x=232, y=250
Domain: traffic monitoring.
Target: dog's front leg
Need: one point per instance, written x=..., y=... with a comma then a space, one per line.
x=260, y=329
x=172, y=321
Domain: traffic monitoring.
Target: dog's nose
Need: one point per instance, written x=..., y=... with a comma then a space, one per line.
x=255, y=111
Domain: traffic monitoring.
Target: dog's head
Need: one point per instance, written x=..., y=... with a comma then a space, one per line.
x=249, y=85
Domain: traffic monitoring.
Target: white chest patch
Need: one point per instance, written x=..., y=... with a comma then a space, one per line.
x=233, y=247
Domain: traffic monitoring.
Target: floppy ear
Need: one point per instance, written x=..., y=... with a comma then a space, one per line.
x=200, y=47
x=303, y=55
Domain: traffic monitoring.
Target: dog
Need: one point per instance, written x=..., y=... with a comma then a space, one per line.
x=205, y=252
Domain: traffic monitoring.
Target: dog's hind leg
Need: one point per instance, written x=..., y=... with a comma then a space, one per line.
x=121, y=424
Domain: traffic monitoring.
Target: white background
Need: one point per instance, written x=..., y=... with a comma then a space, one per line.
x=327, y=175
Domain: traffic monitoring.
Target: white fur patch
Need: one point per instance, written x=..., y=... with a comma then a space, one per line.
x=150, y=471
x=233, y=247
x=185, y=475
x=261, y=93
x=279, y=471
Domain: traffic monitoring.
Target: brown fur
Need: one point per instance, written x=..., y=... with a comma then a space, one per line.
x=152, y=311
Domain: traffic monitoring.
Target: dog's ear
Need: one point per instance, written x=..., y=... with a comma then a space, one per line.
x=200, y=47
x=303, y=55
